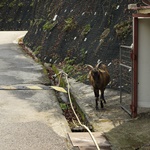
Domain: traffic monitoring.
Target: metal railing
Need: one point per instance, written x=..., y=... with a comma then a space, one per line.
x=125, y=78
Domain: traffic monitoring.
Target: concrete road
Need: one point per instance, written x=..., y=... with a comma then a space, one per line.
x=30, y=119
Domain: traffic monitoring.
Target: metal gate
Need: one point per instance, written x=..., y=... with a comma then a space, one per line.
x=125, y=78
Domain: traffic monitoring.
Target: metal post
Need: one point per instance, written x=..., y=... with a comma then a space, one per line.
x=120, y=77
x=135, y=67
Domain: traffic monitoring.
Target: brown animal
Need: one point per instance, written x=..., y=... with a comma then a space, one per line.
x=99, y=78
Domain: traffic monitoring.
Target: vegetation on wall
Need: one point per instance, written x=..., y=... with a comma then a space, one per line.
x=49, y=25
x=37, y=50
x=86, y=29
x=17, y=14
x=123, y=29
x=70, y=24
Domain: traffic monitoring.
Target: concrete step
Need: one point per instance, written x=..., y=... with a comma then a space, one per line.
x=83, y=141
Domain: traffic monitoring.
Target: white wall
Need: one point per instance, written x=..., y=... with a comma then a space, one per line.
x=144, y=63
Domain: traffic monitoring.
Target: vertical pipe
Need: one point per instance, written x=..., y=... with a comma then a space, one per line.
x=120, y=72
x=135, y=68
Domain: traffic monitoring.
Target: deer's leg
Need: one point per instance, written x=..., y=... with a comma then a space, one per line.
x=102, y=106
x=102, y=96
x=96, y=92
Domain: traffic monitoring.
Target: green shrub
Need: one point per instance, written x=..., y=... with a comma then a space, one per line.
x=37, y=51
x=123, y=29
x=10, y=20
x=86, y=29
x=69, y=24
x=63, y=106
x=49, y=26
x=1, y=5
x=20, y=4
x=31, y=5
x=62, y=82
x=12, y=4
x=82, y=77
x=83, y=54
x=68, y=67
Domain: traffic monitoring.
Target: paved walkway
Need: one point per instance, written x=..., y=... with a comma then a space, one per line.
x=30, y=116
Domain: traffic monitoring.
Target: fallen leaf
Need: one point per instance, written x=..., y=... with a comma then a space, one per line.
x=60, y=89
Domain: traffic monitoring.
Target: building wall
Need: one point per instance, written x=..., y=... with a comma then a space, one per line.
x=144, y=62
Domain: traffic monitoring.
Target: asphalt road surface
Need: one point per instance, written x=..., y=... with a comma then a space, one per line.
x=30, y=116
